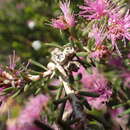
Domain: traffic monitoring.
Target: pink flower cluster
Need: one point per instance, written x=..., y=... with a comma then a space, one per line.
x=30, y=113
x=97, y=83
x=67, y=20
x=94, y=9
x=117, y=27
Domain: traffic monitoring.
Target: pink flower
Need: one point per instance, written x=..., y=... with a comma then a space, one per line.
x=33, y=109
x=126, y=78
x=30, y=113
x=94, y=9
x=97, y=83
x=118, y=27
x=59, y=23
x=25, y=127
x=55, y=83
x=98, y=34
x=68, y=16
x=118, y=121
x=67, y=20
x=116, y=62
x=100, y=52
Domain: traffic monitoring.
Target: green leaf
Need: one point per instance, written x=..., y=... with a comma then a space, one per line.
x=79, y=45
x=81, y=54
x=53, y=87
x=53, y=45
x=26, y=87
x=59, y=92
x=38, y=91
x=16, y=94
x=8, y=89
x=121, y=105
x=37, y=64
x=88, y=94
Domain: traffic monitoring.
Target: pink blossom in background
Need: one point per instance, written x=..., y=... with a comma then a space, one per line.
x=25, y=127
x=55, y=82
x=30, y=113
x=67, y=20
x=128, y=56
x=20, y=6
x=97, y=83
x=33, y=109
x=94, y=9
x=116, y=62
x=118, y=121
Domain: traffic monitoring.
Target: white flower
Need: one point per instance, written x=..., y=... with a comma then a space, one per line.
x=31, y=24
x=36, y=45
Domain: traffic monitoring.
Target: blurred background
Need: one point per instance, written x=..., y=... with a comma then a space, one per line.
x=24, y=27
